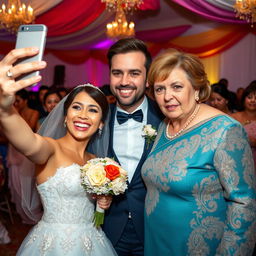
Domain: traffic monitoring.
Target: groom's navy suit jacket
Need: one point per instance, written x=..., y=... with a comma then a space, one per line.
x=133, y=199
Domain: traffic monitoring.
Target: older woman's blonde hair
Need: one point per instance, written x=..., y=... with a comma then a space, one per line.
x=163, y=65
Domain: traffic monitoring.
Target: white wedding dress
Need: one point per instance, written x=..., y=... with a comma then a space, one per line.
x=66, y=227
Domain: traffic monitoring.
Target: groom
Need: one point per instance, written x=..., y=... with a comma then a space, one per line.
x=129, y=61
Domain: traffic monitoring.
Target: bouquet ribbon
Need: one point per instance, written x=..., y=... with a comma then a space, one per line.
x=98, y=217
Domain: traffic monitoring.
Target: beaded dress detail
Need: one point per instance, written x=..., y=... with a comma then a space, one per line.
x=66, y=227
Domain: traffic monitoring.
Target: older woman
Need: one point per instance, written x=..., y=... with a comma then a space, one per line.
x=247, y=117
x=199, y=175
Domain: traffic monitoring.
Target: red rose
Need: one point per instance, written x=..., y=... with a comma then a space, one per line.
x=112, y=171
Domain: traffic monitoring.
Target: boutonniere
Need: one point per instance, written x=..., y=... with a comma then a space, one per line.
x=149, y=133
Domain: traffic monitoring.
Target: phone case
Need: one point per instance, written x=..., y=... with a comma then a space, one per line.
x=31, y=36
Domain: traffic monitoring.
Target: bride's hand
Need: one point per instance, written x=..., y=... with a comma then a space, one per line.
x=104, y=202
x=8, y=74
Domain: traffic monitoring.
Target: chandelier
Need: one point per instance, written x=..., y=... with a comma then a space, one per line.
x=15, y=14
x=246, y=10
x=120, y=27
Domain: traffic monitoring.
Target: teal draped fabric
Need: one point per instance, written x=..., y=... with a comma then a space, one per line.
x=201, y=192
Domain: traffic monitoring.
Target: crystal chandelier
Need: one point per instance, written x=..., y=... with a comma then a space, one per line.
x=127, y=5
x=246, y=10
x=120, y=28
x=15, y=14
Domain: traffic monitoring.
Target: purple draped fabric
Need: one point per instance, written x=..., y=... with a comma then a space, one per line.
x=209, y=11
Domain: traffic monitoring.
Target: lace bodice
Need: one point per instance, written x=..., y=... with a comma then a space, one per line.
x=66, y=227
x=64, y=199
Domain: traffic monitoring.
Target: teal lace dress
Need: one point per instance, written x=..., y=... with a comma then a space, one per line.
x=201, y=192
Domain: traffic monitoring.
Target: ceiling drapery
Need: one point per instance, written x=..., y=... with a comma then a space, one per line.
x=211, y=42
x=217, y=10
x=71, y=16
x=76, y=29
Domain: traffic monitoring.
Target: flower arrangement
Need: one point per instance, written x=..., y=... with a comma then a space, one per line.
x=103, y=176
x=149, y=133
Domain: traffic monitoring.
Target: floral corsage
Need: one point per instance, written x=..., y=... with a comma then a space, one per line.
x=149, y=133
x=103, y=176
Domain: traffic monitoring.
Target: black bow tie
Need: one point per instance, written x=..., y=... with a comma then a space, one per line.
x=123, y=117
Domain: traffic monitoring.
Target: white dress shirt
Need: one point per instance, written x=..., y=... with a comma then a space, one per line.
x=128, y=142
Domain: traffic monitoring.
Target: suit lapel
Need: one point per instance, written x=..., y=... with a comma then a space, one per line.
x=154, y=117
x=111, y=152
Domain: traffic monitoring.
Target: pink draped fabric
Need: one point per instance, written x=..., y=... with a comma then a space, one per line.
x=209, y=11
x=70, y=16
x=150, y=5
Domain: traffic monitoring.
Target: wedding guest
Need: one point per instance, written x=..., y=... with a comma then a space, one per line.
x=219, y=98
x=129, y=61
x=33, y=99
x=247, y=117
x=231, y=95
x=239, y=95
x=199, y=174
x=43, y=89
x=3, y=148
x=62, y=91
x=66, y=227
x=30, y=115
x=51, y=99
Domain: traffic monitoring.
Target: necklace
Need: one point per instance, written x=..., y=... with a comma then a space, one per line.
x=248, y=117
x=185, y=126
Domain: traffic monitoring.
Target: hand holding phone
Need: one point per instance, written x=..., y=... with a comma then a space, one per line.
x=31, y=36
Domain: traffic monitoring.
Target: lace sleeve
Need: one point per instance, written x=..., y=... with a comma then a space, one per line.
x=234, y=164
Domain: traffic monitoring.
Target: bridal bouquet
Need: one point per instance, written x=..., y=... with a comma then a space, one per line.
x=103, y=176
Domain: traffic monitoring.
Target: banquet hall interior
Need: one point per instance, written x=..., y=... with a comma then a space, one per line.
x=77, y=44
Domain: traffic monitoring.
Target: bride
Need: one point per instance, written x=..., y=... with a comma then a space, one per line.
x=66, y=227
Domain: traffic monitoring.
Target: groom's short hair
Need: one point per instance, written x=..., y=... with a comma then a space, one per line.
x=127, y=45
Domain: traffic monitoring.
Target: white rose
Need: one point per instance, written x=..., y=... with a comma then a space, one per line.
x=151, y=131
x=148, y=130
x=96, y=175
x=119, y=185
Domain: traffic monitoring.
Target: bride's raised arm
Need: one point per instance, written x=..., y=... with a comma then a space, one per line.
x=35, y=147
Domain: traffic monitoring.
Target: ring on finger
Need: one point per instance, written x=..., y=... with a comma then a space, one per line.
x=9, y=74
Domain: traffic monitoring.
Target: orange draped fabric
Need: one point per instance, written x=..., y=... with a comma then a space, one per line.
x=205, y=44
x=211, y=42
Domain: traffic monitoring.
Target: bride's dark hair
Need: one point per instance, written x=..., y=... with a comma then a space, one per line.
x=93, y=92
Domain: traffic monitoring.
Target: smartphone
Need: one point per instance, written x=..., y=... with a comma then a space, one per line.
x=31, y=36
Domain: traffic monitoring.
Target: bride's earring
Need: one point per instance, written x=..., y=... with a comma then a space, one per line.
x=65, y=123
x=99, y=131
